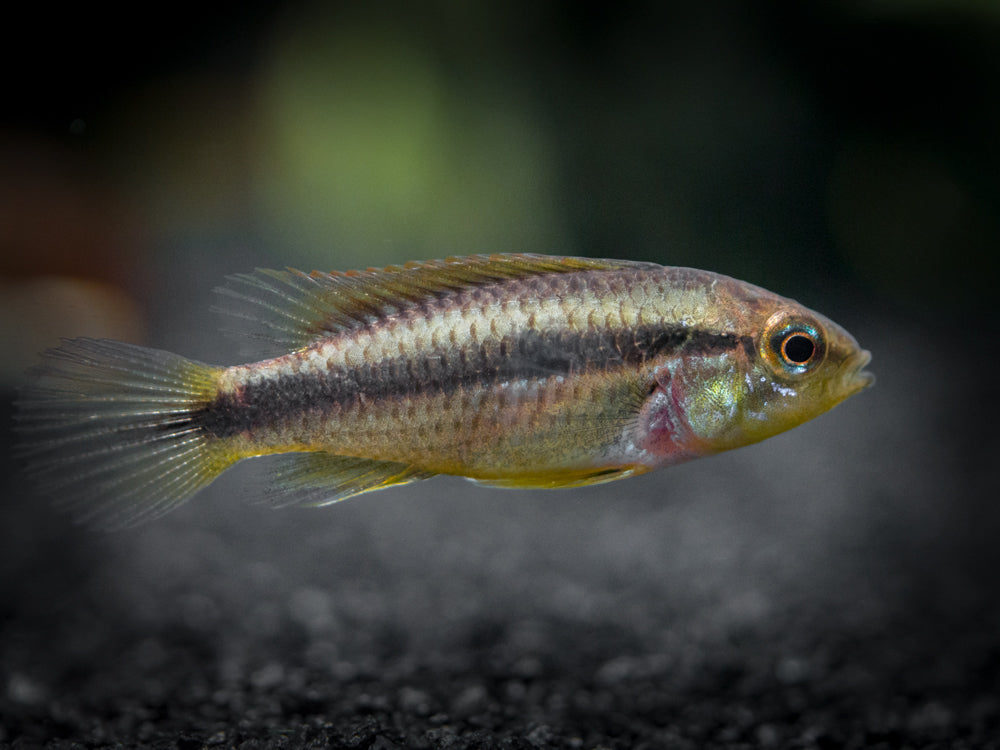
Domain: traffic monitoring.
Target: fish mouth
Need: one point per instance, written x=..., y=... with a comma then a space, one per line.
x=856, y=377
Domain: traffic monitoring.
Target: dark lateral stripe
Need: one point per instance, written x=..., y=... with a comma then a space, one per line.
x=531, y=354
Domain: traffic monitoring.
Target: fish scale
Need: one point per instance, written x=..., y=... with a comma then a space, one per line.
x=412, y=352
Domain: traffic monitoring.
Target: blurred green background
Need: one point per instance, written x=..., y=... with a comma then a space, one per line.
x=844, y=150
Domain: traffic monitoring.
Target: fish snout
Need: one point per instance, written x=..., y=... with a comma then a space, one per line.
x=856, y=377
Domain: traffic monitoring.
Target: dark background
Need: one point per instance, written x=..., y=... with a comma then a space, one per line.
x=835, y=586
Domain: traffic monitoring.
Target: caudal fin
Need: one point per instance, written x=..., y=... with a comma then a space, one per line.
x=111, y=430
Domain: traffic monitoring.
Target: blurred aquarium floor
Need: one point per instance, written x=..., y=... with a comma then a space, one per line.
x=832, y=587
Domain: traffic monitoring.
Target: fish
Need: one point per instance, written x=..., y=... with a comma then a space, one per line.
x=513, y=370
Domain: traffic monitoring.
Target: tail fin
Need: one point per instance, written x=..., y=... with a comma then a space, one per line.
x=110, y=430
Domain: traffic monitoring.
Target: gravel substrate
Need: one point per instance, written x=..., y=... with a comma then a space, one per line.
x=833, y=587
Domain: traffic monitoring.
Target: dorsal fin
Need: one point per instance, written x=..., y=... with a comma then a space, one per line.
x=291, y=309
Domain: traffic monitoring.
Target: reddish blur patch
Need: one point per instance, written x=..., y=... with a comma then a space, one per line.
x=70, y=253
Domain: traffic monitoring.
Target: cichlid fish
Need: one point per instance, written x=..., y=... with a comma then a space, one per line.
x=512, y=370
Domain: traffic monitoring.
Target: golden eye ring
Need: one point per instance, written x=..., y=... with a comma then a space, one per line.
x=793, y=344
x=797, y=348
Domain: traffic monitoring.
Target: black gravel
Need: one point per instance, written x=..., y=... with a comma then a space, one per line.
x=833, y=587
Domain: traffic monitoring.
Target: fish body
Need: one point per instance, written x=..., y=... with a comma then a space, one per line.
x=512, y=370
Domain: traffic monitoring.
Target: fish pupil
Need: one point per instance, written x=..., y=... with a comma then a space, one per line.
x=798, y=349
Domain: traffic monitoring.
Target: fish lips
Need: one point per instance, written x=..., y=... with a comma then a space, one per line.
x=856, y=378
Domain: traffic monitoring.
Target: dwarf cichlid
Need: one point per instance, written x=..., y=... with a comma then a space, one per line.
x=512, y=370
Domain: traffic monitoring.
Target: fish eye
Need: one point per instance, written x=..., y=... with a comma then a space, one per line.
x=793, y=345
x=797, y=348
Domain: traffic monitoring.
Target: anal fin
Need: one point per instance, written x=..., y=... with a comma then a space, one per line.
x=319, y=478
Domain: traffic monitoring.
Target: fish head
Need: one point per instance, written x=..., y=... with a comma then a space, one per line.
x=801, y=364
x=785, y=364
